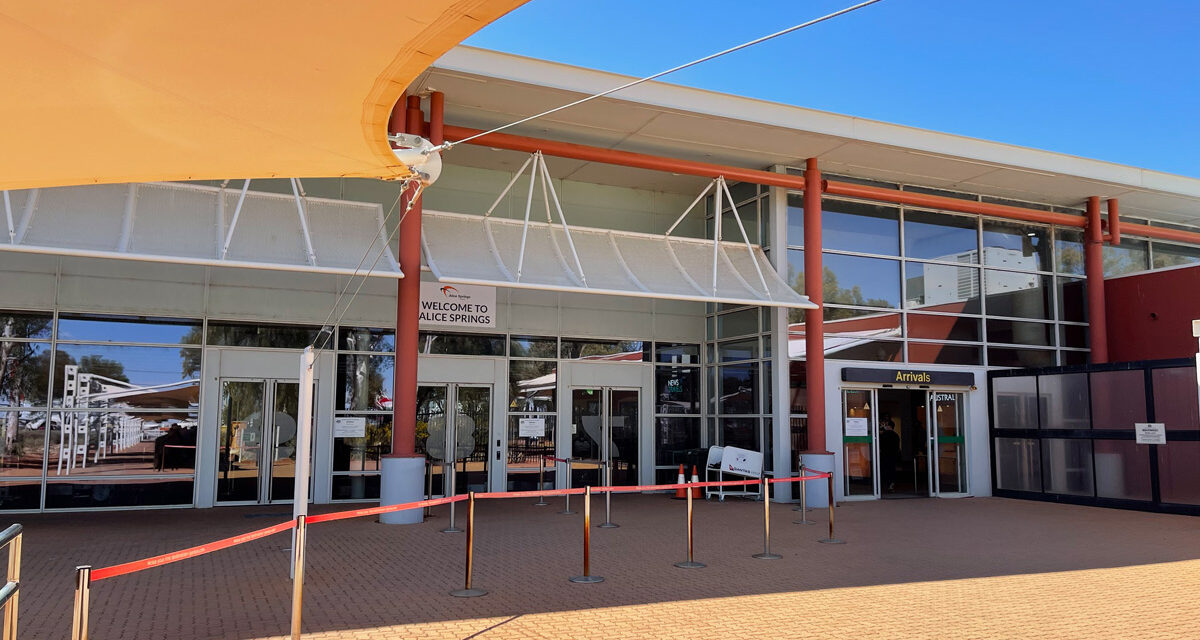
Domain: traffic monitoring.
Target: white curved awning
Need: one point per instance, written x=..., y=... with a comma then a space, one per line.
x=472, y=249
x=193, y=224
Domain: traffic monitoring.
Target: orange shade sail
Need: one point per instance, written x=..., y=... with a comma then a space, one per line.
x=129, y=91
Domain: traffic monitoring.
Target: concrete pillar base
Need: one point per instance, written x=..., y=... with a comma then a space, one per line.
x=402, y=480
x=818, y=490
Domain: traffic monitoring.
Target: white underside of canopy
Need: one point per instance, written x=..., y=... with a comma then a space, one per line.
x=193, y=224
x=469, y=249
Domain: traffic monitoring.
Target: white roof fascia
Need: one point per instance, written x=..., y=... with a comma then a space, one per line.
x=514, y=68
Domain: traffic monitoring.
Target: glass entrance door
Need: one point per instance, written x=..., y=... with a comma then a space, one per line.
x=859, y=455
x=948, y=463
x=604, y=429
x=256, y=448
x=453, y=431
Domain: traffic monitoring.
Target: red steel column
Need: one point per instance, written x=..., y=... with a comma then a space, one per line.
x=408, y=301
x=814, y=327
x=1093, y=264
x=1114, y=221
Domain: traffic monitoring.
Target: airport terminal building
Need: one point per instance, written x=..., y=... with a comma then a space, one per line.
x=971, y=295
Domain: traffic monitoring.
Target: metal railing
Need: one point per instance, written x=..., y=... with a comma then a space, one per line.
x=86, y=576
x=10, y=592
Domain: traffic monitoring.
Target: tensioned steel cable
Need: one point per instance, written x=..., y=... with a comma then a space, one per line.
x=355, y=273
x=416, y=194
x=448, y=145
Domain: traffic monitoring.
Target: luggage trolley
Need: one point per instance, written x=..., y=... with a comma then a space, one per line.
x=735, y=462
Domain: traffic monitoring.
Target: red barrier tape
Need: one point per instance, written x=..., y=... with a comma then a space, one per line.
x=184, y=554
x=799, y=478
x=359, y=513
x=532, y=494
x=553, y=459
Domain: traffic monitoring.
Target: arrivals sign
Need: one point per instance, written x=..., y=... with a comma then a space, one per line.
x=908, y=376
x=458, y=305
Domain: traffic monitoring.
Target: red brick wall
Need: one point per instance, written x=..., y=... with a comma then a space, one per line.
x=1150, y=314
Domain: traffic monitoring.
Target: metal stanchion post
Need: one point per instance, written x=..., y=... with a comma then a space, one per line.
x=79, y=617
x=800, y=463
x=803, y=501
x=608, y=523
x=831, y=539
x=567, y=509
x=467, y=591
x=450, y=478
x=766, y=498
x=587, y=577
x=298, y=580
x=14, y=575
x=541, y=482
x=690, y=563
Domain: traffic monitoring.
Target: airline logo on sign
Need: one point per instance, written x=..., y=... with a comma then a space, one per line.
x=458, y=305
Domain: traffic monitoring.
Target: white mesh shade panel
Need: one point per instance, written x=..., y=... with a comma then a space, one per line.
x=189, y=224
x=471, y=249
x=84, y=217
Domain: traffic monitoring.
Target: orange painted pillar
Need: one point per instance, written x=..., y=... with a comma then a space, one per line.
x=408, y=301
x=814, y=326
x=1093, y=264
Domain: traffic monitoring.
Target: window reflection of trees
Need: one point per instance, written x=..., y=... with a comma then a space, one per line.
x=365, y=382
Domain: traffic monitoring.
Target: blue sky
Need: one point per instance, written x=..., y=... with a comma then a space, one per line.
x=1115, y=81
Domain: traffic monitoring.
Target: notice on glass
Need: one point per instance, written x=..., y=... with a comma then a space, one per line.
x=531, y=427
x=350, y=427
x=857, y=427
x=1150, y=432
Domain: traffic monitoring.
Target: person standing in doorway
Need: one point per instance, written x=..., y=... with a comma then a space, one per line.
x=889, y=453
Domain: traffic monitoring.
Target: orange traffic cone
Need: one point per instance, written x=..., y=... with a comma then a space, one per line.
x=680, y=493
x=695, y=478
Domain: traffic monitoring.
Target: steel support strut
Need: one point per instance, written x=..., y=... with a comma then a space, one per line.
x=1094, y=268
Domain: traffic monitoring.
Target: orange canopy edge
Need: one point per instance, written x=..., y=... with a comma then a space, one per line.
x=139, y=91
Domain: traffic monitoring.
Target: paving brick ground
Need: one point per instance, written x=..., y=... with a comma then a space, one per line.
x=971, y=568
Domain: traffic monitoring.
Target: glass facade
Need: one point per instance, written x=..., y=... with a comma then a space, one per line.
x=1068, y=434
x=738, y=377
x=98, y=411
x=103, y=410
x=366, y=363
x=911, y=284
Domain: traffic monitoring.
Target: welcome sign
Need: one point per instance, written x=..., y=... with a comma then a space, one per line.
x=458, y=305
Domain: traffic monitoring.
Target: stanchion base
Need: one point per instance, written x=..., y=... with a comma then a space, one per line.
x=586, y=579
x=804, y=522
x=468, y=593
x=541, y=504
x=690, y=565
x=452, y=530
x=767, y=556
x=831, y=541
x=567, y=513
x=608, y=525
